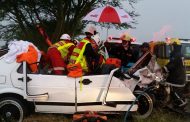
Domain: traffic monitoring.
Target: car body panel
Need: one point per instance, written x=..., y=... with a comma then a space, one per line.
x=63, y=94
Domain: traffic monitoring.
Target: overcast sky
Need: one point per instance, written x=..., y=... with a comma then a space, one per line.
x=159, y=19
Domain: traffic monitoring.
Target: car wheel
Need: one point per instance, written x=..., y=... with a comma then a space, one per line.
x=145, y=104
x=12, y=109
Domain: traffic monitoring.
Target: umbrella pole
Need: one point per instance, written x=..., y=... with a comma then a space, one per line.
x=107, y=33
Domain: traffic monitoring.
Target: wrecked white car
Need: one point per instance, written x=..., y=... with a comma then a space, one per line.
x=22, y=91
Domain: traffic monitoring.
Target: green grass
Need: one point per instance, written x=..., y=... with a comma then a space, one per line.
x=48, y=118
x=157, y=116
x=164, y=116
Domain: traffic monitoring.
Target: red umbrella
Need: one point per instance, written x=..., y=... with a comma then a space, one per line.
x=108, y=14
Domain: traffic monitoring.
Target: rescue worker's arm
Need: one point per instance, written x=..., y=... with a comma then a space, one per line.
x=89, y=52
x=91, y=56
x=71, y=48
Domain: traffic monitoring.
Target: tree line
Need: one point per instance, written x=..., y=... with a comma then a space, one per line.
x=19, y=18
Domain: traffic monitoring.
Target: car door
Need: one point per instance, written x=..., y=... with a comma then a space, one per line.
x=60, y=90
x=102, y=93
x=68, y=95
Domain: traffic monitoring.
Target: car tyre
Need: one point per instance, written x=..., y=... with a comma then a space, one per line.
x=12, y=109
x=145, y=104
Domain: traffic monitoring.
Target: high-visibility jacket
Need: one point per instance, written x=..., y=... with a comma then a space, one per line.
x=77, y=55
x=63, y=47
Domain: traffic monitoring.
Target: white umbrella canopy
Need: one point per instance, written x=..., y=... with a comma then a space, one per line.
x=108, y=14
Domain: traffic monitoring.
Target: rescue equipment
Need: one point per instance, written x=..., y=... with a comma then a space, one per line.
x=115, y=61
x=89, y=116
x=74, y=70
x=44, y=34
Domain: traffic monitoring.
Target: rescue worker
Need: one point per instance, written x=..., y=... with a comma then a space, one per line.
x=102, y=52
x=142, y=59
x=126, y=52
x=145, y=55
x=85, y=53
x=145, y=47
x=176, y=74
x=59, y=53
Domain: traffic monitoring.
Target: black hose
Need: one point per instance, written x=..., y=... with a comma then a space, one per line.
x=126, y=115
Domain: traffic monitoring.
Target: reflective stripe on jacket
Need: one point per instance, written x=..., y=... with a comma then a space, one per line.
x=77, y=55
x=63, y=47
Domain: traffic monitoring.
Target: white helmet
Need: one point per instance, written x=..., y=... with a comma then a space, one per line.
x=65, y=36
x=91, y=29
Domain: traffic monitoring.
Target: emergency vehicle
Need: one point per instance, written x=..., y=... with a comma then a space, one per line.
x=162, y=51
